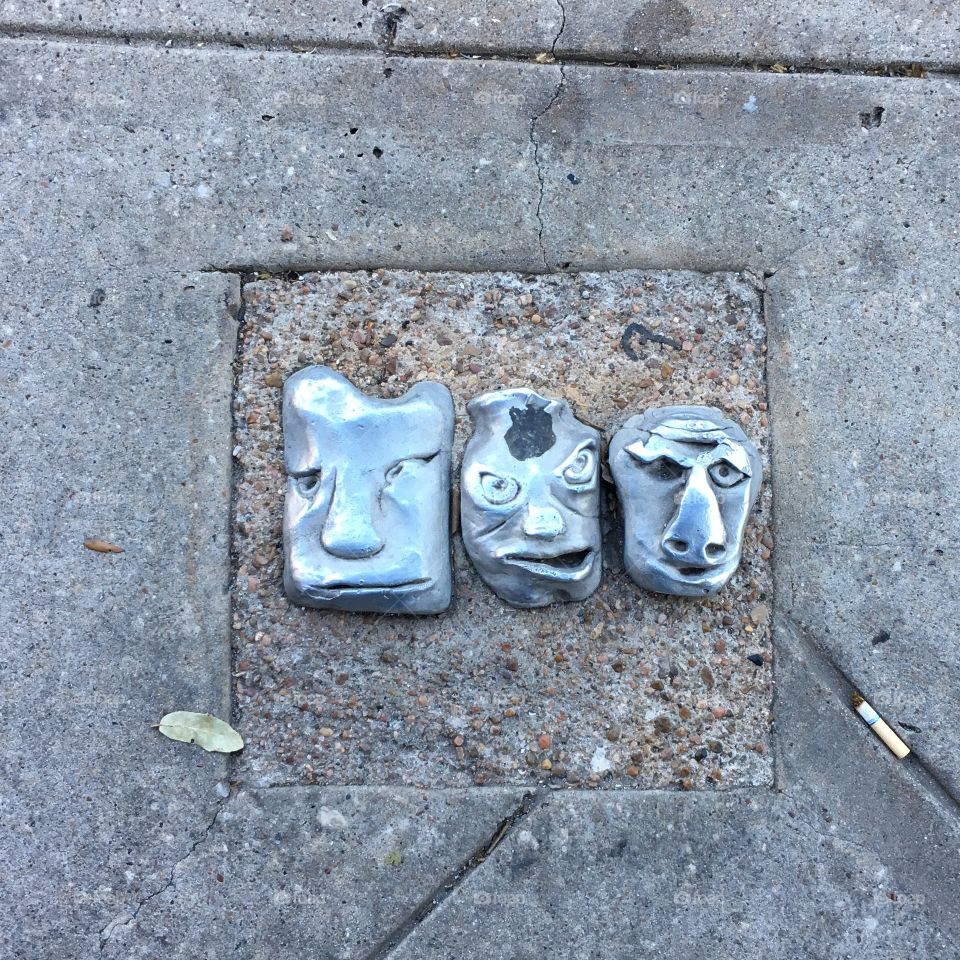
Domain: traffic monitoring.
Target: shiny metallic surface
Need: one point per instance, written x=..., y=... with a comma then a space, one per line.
x=366, y=515
x=687, y=478
x=529, y=499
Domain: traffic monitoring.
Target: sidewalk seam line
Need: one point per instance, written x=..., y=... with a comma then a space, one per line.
x=919, y=770
x=178, y=40
x=401, y=933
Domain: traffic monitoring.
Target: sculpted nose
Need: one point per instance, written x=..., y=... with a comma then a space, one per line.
x=543, y=523
x=696, y=535
x=348, y=530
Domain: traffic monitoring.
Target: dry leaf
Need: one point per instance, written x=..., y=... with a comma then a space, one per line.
x=544, y=58
x=101, y=546
x=215, y=736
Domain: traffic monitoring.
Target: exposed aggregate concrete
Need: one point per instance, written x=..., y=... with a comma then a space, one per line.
x=627, y=689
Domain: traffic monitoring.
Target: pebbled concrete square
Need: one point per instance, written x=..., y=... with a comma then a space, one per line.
x=626, y=689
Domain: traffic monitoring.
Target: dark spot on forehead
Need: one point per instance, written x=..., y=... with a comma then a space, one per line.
x=531, y=432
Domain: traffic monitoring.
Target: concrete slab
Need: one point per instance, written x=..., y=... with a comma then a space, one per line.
x=114, y=419
x=855, y=33
x=302, y=26
x=130, y=167
x=657, y=160
x=661, y=158
x=631, y=689
x=272, y=161
x=674, y=877
x=320, y=872
x=866, y=400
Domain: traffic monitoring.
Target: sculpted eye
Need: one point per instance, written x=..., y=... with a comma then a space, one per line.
x=581, y=468
x=498, y=490
x=307, y=485
x=664, y=468
x=401, y=466
x=725, y=474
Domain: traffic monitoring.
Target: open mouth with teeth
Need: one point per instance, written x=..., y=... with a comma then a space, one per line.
x=574, y=565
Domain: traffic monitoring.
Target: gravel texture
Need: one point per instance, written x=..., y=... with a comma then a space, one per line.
x=625, y=689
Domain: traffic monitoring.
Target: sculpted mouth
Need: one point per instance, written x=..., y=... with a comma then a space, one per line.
x=574, y=565
x=343, y=587
x=695, y=572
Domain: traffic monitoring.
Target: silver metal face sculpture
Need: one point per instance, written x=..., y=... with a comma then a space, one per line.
x=687, y=478
x=366, y=518
x=529, y=499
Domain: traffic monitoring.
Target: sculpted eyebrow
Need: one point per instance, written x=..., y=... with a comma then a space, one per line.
x=735, y=455
x=657, y=451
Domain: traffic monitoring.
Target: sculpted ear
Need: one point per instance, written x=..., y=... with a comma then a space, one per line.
x=580, y=468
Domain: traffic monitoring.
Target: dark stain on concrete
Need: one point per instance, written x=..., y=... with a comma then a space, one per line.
x=655, y=25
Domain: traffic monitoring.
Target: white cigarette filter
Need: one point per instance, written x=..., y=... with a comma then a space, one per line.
x=880, y=727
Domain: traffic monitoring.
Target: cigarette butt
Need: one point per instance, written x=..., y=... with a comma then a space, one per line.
x=880, y=727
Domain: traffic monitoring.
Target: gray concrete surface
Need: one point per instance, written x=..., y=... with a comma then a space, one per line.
x=134, y=169
x=856, y=33
x=854, y=856
x=330, y=873
x=301, y=26
x=114, y=421
x=657, y=690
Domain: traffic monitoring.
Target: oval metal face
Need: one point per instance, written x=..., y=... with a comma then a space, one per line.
x=529, y=499
x=687, y=478
x=366, y=516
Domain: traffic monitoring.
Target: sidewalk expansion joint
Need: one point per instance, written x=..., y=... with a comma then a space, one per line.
x=923, y=777
x=385, y=43
x=529, y=802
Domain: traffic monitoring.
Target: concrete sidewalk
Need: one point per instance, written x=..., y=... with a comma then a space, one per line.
x=155, y=160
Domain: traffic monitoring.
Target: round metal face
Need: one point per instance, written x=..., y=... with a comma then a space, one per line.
x=687, y=478
x=529, y=499
x=366, y=516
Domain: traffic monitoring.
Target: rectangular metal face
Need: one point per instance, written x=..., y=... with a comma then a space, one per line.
x=627, y=689
x=365, y=527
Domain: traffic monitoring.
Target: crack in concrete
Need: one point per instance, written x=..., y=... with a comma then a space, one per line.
x=535, y=140
x=109, y=929
x=796, y=821
x=402, y=932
